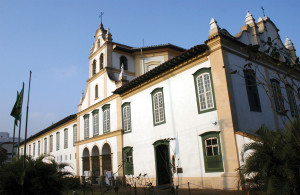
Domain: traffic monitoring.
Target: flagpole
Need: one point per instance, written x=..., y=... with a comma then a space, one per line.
x=13, y=145
x=20, y=122
x=26, y=122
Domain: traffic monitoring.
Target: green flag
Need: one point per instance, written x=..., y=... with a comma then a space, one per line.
x=16, y=111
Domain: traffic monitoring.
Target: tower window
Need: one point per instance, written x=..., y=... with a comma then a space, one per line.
x=101, y=61
x=96, y=91
x=94, y=67
x=98, y=43
x=123, y=60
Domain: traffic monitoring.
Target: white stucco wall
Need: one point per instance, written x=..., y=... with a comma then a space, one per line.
x=182, y=122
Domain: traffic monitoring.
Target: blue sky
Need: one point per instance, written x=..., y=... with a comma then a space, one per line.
x=53, y=40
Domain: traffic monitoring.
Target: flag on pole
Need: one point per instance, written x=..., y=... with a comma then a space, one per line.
x=16, y=111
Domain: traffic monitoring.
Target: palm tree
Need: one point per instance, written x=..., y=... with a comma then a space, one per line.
x=273, y=161
x=40, y=176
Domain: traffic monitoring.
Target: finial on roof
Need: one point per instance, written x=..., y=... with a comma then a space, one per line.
x=259, y=19
x=122, y=74
x=249, y=18
x=213, y=24
x=288, y=43
x=108, y=31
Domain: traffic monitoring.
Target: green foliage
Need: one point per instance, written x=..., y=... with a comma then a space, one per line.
x=273, y=162
x=39, y=177
x=71, y=182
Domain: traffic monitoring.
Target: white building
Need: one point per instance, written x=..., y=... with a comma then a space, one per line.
x=165, y=111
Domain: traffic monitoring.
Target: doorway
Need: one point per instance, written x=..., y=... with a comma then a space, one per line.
x=162, y=162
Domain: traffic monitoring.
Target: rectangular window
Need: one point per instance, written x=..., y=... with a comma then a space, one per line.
x=65, y=138
x=158, y=106
x=86, y=126
x=29, y=148
x=252, y=92
x=51, y=143
x=106, y=118
x=45, y=145
x=212, y=152
x=292, y=101
x=33, y=149
x=128, y=160
x=277, y=95
x=57, y=141
x=39, y=148
x=74, y=134
x=126, y=117
x=204, y=90
x=95, y=122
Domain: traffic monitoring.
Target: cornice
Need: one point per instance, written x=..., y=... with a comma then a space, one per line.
x=98, y=104
x=100, y=137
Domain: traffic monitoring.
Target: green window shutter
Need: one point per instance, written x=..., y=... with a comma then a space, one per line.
x=128, y=160
x=204, y=89
x=213, y=163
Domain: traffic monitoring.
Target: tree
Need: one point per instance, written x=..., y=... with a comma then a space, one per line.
x=39, y=176
x=273, y=161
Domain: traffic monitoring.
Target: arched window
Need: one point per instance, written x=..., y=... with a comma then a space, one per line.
x=96, y=91
x=123, y=60
x=94, y=67
x=98, y=43
x=101, y=61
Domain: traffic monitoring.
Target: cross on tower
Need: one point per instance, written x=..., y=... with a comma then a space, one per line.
x=263, y=10
x=100, y=16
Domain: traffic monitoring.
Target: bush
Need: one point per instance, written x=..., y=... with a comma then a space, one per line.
x=71, y=182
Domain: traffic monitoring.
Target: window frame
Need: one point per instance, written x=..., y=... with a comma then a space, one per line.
x=101, y=61
x=95, y=113
x=277, y=96
x=292, y=100
x=66, y=138
x=51, y=143
x=45, y=145
x=57, y=141
x=96, y=92
x=39, y=148
x=128, y=166
x=124, y=105
x=153, y=93
x=74, y=134
x=252, y=90
x=212, y=158
x=106, y=118
x=94, y=67
x=33, y=149
x=86, y=126
x=196, y=75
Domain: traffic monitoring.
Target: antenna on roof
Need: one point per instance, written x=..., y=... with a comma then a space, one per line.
x=143, y=67
x=262, y=8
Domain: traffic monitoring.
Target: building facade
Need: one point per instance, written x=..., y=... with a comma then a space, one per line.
x=176, y=115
